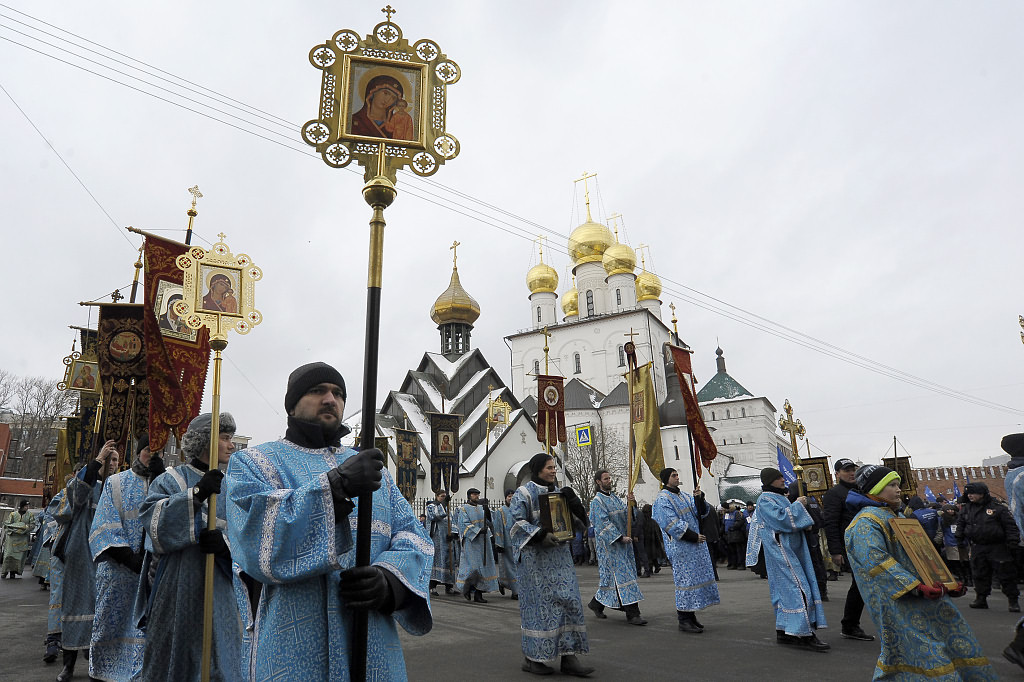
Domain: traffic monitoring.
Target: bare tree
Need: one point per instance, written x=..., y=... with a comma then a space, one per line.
x=608, y=451
x=37, y=404
x=7, y=384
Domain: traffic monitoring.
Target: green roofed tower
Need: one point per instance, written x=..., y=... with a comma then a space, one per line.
x=721, y=386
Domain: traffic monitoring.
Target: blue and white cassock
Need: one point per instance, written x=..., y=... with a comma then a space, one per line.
x=117, y=642
x=549, y=593
x=55, y=573
x=47, y=529
x=476, y=568
x=791, y=580
x=444, y=560
x=78, y=603
x=285, y=536
x=507, y=569
x=692, y=572
x=617, y=585
x=174, y=609
x=921, y=638
x=753, y=539
x=1015, y=494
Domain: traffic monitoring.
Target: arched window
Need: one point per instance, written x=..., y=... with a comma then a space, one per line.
x=728, y=415
x=723, y=441
x=536, y=366
x=576, y=357
x=741, y=440
x=618, y=297
x=677, y=451
x=712, y=415
x=538, y=313
x=622, y=357
x=743, y=412
x=590, y=303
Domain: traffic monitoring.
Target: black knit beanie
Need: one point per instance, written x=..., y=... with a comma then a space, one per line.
x=769, y=475
x=1013, y=445
x=308, y=376
x=665, y=473
x=142, y=444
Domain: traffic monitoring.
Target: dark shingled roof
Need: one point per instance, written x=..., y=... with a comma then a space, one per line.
x=721, y=387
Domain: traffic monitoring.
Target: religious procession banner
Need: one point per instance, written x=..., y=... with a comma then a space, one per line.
x=646, y=426
x=122, y=359
x=81, y=440
x=703, y=444
x=64, y=465
x=406, y=448
x=177, y=356
x=550, y=409
x=444, y=452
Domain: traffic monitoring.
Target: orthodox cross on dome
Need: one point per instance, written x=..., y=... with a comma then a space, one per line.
x=540, y=245
x=388, y=11
x=614, y=218
x=586, y=190
x=640, y=249
x=455, y=254
x=793, y=428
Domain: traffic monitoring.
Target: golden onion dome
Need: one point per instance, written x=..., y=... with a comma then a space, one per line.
x=588, y=242
x=619, y=259
x=455, y=304
x=571, y=302
x=542, y=279
x=648, y=287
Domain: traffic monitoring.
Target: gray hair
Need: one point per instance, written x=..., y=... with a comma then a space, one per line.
x=196, y=440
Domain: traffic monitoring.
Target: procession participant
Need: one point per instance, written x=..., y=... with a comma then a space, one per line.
x=837, y=519
x=507, y=569
x=116, y=541
x=617, y=587
x=813, y=537
x=791, y=578
x=653, y=544
x=292, y=516
x=992, y=533
x=54, y=578
x=678, y=514
x=925, y=635
x=550, y=609
x=174, y=515
x=477, y=572
x=17, y=539
x=1013, y=445
x=44, y=538
x=78, y=602
x=444, y=551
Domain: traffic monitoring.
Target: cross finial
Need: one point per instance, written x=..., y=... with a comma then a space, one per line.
x=455, y=253
x=675, y=321
x=614, y=218
x=586, y=189
x=632, y=334
x=221, y=236
x=388, y=11
x=540, y=242
x=196, y=194
x=640, y=249
x=116, y=296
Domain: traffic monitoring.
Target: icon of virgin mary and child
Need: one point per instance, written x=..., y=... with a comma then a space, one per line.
x=385, y=111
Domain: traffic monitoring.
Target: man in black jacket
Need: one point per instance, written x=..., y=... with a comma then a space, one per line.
x=993, y=535
x=837, y=518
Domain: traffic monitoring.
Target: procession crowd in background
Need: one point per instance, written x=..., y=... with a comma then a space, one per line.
x=123, y=553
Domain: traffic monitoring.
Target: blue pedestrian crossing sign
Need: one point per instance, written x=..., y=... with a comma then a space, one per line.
x=583, y=435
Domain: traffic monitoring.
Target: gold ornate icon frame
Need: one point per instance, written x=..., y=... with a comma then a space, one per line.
x=497, y=412
x=200, y=265
x=388, y=52
x=73, y=363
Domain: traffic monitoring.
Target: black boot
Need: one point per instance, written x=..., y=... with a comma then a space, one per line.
x=597, y=607
x=1014, y=653
x=478, y=597
x=633, y=616
x=572, y=666
x=536, y=667
x=687, y=623
x=980, y=602
x=52, y=648
x=1014, y=605
x=69, y=658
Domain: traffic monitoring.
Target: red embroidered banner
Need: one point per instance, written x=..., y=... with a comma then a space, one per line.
x=703, y=443
x=550, y=409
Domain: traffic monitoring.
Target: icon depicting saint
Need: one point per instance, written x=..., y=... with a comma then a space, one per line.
x=85, y=379
x=446, y=443
x=221, y=297
x=384, y=112
x=170, y=322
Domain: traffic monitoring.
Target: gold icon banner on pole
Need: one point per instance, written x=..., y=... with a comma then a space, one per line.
x=218, y=289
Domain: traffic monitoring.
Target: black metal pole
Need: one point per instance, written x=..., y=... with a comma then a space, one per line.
x=693, y=459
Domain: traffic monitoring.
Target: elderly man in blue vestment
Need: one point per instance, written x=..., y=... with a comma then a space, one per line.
x=292, y=517
x=924, y=636
x=550, y=608
x=679, y=514
x=617, y=587
x=117, y=548
x=175, y=515
x=443, y=532
x=507, y=570
x=76, y=511
x=792, y=583
x=477, y=572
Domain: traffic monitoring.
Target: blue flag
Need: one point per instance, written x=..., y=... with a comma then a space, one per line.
x=956, y=490
x=786, y=467
x=929, y=495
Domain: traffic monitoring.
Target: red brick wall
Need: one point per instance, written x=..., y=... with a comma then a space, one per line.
x=940, y=479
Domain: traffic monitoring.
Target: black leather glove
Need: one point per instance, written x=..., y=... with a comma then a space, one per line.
x=691, y=536
x=126, y=558
x=453, y=536
x=499, y=550
x=549, y=541
x=212, y=542
x=209, y=484
x=359, y=474
x=366, y=587
x=156, y=466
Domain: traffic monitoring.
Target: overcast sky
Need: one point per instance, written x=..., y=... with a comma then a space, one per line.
x=850, y=170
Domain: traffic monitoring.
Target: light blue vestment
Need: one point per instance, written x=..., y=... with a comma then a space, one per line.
x=503, y=538
x=617, y=566
x=174, y=618
x=1015, y=494
x=476, y=567
x=78, y=604
x=117, y=642
x=791, y=579
x=285, y=536
x=55, y=575
x=921, y=638
x=549, y=593
x=437, y=525
x=692, y=572
x=48, y=528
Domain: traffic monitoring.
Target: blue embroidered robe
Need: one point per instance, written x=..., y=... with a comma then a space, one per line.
x=616, y=565
x=692, y=572
x=55, y=574
x=503, y=538
x=791, y=580
x=476, y=568
x=117, y=642
x=1015, y=494
x=921, y=639
x=549, y=593
x=285, y=536
x=78, y=604
x=444, y=560
x=174, y=617
x=48, y=528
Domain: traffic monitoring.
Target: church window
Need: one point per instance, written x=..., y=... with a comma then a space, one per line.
x=538, y=313
x=618, y=297
x=712, y=415
x=576, y=357
x=677, y=451
x=622, y=357
x=590, y=303
x=536, y=366
x=743, y=412
x=741, y=440
x=723, y=441
x=728, y=415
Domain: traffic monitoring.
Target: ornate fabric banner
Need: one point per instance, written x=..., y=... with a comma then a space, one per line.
x=177, y=356
x=65, y=448
x=82, y=443
x=646, y=426
x=550, y=409
x=703, y=443
x=122, y=359
x=444, y=452
x=406, y=448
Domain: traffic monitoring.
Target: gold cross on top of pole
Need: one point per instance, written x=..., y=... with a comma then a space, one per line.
x=586, y=190
x=793, y=428
x=455, y=253
x=196, y=194
x=546, y=334
x=221, y=236
x=540, y=245
x=675, y=321
x=631, y=334
x=388, y=11
x=614, y=218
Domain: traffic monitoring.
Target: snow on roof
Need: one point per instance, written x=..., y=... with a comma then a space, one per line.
x=447, y=367
x=477, y=457
x=473, y=381
x=470, y=419
x=417, y=420
x=431, y=391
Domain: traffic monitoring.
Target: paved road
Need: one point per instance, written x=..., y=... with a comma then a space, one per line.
x=482, y=640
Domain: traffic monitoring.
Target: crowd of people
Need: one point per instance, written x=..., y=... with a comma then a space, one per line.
x=124, y=556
